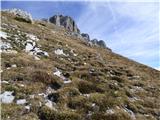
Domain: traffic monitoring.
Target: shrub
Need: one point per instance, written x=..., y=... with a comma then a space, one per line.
x=11, y=110
x=77, y=102
x=69, y=91
x=118, y=79
x=103, y=100
x=42, y=76
x=88, y=87
x=116, y=116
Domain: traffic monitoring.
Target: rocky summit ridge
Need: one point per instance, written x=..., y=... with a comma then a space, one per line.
x=68, y=23
x=59, y=20
x=49, y=72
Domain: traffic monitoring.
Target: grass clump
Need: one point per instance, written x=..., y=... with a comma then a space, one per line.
x=47, y=114
x=78, y=102
x=86, y=87
x=104, y=101
x=42, y=76
x=8, y=110
x=119, y=115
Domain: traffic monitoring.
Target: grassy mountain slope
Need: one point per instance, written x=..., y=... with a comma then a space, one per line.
x=103, y=85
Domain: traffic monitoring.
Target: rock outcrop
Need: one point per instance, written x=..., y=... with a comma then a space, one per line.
x=59, y=20
x=100, y=43
x=65, y=21
x=20, y=15
x=85, y=36
x=69, y=24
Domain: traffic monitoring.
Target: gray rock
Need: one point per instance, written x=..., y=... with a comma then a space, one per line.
x=21, y=101
x=4, y=46
x=100, y=43
x=94, y=41
x=65, y=21
x=20, y=15
x=85, y=36
x=77, y=35
x=7, y=97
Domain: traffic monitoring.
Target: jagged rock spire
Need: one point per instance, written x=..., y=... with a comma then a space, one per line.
x=65, y=21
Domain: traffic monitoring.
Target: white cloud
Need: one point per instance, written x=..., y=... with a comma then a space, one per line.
x=130, y=29
x=158, y=68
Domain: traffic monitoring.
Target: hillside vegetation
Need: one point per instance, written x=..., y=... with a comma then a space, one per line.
x=49, y=74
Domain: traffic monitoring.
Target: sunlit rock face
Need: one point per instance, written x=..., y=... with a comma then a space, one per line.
x=20, y=14
x=65, y=21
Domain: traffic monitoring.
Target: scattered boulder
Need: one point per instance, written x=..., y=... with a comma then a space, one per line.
x=14, y=66
x=32, y=49
x=3, y=35
x=7, y=97
x=67, y=81
x=21, y=101
x=130, y=112
x=49, y=104
x=57, y=73
x=5, y=46
x=29, y=47
x=110, y=111
x=59, y=52
x=3, y=81
x=65, y=21
x=42, y=53
x=20, y=15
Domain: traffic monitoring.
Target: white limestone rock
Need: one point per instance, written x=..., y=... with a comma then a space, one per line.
x=21, y=101
x=67, y=81
x=29, y=47
x=57, y=73
x=59, y=52
x=3, y=35
x=7, y=97
x=20, y=14
x=14, y=66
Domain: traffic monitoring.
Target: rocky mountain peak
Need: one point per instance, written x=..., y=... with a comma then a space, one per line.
x=65, y=21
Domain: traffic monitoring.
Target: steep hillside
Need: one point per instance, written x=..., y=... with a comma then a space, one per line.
x=48, y=73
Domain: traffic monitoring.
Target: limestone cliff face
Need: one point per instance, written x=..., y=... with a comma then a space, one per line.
x=65, y=21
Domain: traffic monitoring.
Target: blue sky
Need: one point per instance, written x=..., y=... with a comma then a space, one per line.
x=128, y=28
